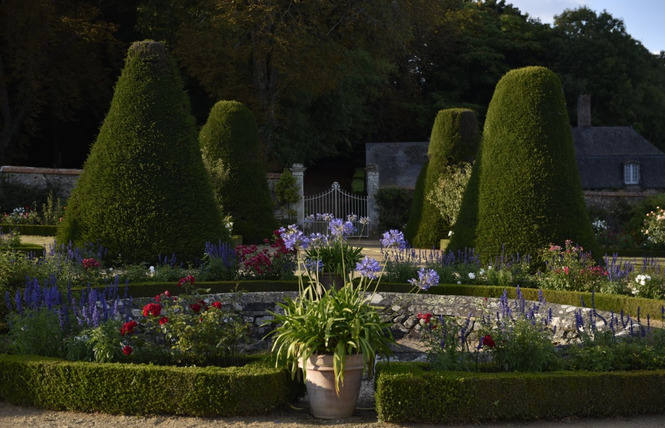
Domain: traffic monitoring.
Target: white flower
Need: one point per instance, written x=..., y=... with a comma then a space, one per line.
x=151, y=271
x=642, y=279
x=482, y=271
x=472, y=275
x=450, y=233
x=459, y=282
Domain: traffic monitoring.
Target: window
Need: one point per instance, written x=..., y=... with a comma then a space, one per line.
x=631, y=173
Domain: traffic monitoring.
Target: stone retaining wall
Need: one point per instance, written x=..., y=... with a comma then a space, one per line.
x=403, y=310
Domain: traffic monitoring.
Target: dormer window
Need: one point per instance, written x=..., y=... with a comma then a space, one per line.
x=631, y=173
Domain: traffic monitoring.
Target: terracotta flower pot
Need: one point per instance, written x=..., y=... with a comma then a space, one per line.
x=324, y=402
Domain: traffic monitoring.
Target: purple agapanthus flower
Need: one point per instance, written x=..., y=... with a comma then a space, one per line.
x=293, y=237
x=393, y=238
x=369, y=268
x=426, y=279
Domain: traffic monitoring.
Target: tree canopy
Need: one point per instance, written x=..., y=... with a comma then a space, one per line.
x=322, y=77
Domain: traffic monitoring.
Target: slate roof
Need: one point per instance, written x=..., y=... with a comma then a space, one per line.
x=601, y=152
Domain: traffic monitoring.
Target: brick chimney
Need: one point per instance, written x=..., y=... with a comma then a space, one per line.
x=584, y=111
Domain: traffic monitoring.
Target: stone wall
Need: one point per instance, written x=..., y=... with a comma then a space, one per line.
x=63, y=180
x=402, y=309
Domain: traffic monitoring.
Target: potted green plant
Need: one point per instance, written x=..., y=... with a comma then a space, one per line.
x=333, y=335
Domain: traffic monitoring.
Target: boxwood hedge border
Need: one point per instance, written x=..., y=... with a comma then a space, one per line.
x=139, y=389
x=410, y=393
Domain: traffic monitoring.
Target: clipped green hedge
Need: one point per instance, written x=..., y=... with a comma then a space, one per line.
x=409, y=393
x=30, y=229
x=145, y=389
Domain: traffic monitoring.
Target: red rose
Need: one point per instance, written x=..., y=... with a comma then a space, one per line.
x=488, y=341
x=163, y=320
x=189, y=279
x=196, y=307
x=127, y=350
x=153, y=309
x=158, y=297
x=217, y=305
x=425, y=317
x=128, y=327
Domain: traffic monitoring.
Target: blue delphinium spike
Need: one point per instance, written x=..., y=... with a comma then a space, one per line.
x=17, y=302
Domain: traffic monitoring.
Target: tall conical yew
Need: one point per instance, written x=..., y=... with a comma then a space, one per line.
x=529, y=191
x=144, y=191
x=454, y=140
x=230, y=143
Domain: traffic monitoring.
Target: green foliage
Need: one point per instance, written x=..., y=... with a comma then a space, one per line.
x=230, y=136
x=286, y=189
x=525, y=346
x=393, y=204
x=144, y=191
x=448, y=191
x=35, y=332
x=114, y=388
x=338, y=257
x=407, y=393
x=637, y=213
x=454, y=140
x=529, y=191
x=464, y=229
x=418, y=201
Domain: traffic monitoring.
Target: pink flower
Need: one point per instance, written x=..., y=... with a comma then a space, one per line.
x=90, y=263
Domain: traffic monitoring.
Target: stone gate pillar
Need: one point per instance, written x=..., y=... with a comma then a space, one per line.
x=298, y=171
x=372, y=186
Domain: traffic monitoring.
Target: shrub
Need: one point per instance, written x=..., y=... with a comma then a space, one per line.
x=637, y=213
x=287, y=192
x=529, y=191
x=454, y=140
x=447, y=193
x=393, y=204
x=144, y=190
x=229, y=140
x=570, y=268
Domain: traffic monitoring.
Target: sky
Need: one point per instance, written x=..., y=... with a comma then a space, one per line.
x=643, y=19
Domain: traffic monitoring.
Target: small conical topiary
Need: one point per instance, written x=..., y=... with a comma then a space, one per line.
x=529, y=191
x=454, y=140
x=144, y=191
x=230, y=145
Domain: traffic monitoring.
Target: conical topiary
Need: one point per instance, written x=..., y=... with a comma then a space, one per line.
x=454, y=140
x=229, y=140
x=144, y=191
x=529, y=191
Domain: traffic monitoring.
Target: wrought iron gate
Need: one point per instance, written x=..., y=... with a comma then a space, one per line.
x=339, y=203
